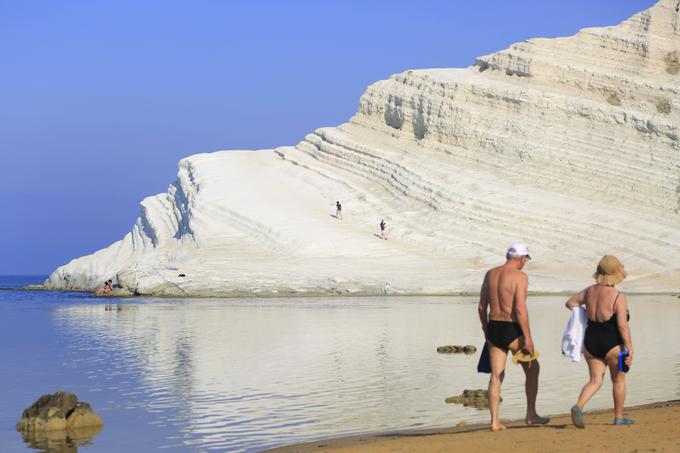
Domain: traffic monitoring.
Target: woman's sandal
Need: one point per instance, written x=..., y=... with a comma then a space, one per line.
x=577, y=417
x=623, y=421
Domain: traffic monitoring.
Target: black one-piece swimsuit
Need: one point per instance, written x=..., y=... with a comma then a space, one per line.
x=601, y=337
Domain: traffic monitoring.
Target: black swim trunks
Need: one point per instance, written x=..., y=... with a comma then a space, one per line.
x=502, y=333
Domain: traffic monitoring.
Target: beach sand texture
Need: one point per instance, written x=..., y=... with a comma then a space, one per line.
x=569, y=144
x=656, y=428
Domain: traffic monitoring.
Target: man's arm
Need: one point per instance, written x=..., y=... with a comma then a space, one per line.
x=522, y=312
x=483, y=304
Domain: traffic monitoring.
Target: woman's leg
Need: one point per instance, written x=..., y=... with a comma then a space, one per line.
x=596, y=368
x=618, y=381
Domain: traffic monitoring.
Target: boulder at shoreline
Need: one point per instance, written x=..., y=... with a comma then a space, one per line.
x=58, y=412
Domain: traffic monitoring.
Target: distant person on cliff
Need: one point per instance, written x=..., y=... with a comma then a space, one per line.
x=383, y=235
x=606, y=336
x=506, y=328
x=338, y=210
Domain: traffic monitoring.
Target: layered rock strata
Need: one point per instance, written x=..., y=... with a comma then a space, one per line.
x=570, y=144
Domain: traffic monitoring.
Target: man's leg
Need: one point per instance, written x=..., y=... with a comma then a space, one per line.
x=497, y=358
x=531, y=372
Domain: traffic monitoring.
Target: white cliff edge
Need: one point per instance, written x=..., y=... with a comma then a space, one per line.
x=569, y=144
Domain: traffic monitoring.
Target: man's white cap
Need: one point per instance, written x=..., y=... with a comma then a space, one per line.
x=518, y=249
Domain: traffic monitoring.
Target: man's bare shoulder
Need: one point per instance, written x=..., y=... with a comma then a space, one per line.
x=518, y=274
x=494, y=270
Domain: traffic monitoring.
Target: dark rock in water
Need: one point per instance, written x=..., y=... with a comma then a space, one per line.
x=58, y=412
x=469, y=349
x=454, y=349
x=449, y=349
x=471, y=398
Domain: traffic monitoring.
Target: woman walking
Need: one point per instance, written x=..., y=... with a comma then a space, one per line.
x=606, y=336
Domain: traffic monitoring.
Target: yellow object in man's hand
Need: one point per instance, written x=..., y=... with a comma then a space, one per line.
x=521, y=356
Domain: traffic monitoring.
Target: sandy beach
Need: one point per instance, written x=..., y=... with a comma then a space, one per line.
x=656, y=428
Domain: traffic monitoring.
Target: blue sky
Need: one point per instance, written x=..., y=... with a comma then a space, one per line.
x=100, y=99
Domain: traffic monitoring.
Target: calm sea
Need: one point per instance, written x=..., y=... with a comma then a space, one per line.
x=248, y=374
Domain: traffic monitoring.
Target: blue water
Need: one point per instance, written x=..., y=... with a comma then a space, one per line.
x=249, y=374
x=39, y=357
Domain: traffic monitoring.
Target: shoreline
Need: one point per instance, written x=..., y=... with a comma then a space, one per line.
x=308, y=294
x=558, y=435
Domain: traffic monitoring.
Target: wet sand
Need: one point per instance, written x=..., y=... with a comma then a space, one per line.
x=656, y=428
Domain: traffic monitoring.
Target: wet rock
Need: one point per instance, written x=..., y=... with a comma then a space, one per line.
x=455, y=349
x=471, y=398
x=449, y=349
x=469, y=349
x=58, y=412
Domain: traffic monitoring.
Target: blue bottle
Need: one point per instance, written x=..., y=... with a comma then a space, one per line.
x=622, y=360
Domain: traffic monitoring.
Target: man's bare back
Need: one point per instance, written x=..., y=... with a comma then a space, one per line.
x=504, y=292
x=504, y=286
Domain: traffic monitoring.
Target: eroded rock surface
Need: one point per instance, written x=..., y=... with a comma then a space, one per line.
x=570, y=144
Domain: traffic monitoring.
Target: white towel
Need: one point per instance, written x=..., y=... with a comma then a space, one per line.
x=572, y=339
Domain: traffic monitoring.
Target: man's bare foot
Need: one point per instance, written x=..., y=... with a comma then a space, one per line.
x=498, y=427
x=537, y=420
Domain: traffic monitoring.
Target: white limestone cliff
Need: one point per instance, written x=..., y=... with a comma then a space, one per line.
x=570, y=144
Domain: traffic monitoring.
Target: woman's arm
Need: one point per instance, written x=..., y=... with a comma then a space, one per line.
x=576, y=300
x=624, y=328
x=622, y=321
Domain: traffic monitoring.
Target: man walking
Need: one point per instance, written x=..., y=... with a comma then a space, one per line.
x=338, y=210
x=506, y=328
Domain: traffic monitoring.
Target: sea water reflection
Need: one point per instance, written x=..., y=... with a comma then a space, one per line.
x=243, y=375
